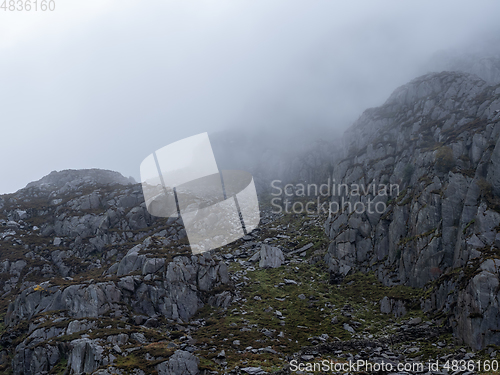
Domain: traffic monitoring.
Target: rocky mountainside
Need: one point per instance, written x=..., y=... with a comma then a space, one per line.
x=437, y=139
x=93, y=284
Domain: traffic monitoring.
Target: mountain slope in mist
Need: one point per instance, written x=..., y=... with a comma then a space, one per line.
x=437, y=139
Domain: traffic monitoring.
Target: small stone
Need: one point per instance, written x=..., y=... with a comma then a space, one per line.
x=253, y=370
x=268, y=350
x=468, y=356
x=267, y=332
x=348, y=328
x=254, y=258
x=139, y=337
x=415, y=321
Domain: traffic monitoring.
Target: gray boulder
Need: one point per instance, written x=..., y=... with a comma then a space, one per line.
x=270, y=257
x=180, y=363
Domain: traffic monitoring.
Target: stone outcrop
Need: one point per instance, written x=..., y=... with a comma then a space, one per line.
x=187, y=282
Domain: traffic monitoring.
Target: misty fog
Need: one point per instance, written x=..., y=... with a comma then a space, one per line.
x=102, y=84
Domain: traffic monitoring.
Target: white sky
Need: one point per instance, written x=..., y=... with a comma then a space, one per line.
x=104, y=83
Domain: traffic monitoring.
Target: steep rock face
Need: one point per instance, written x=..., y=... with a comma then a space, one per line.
x=431, y=154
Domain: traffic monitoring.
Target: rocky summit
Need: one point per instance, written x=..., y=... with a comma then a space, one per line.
x=403, y=274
